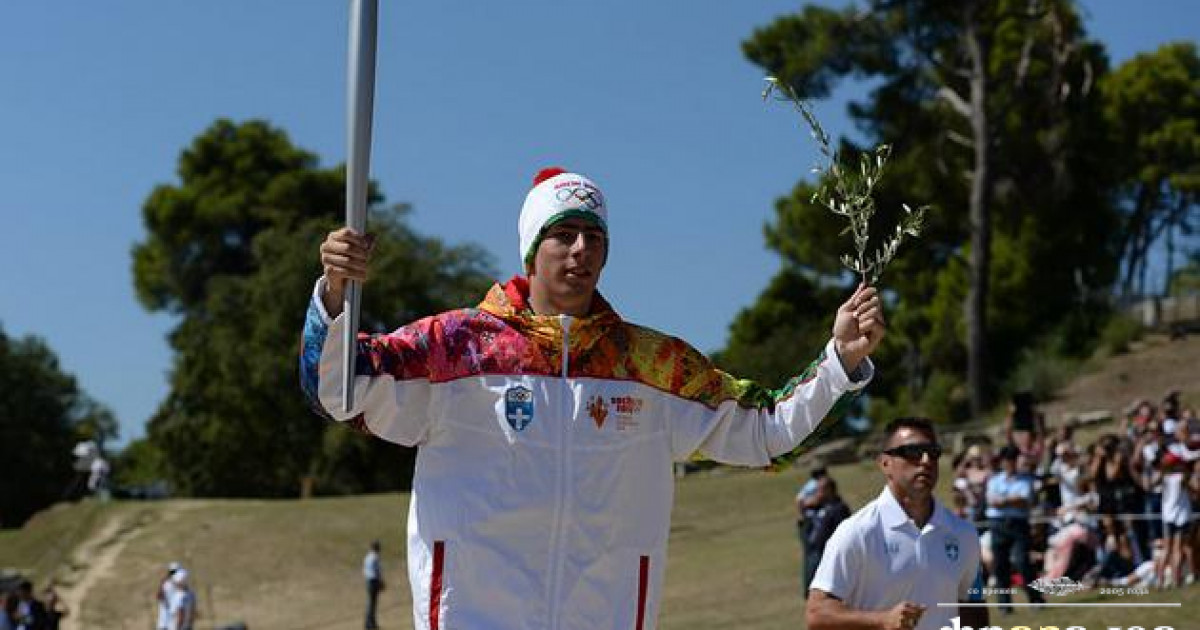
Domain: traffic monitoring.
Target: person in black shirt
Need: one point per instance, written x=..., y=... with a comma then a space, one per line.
x=830, y=511
x=30, y=613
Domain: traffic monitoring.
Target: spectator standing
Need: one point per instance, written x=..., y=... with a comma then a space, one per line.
x=829, y=512
x=1057, y=443
x=30, y=613
x=162, y=597
x=1120, y=497
x=1067, y=472
x=1136, y=419
x=1063, y=434
x=1188, y=417
x=7, y=608
x=806, y=507
x=1170, y=413
x=1010, y=498
x=373, y=573
x=1175, y=472
x=55, y=608
x=183, y=602
x=893, y=561
x=971, y=477
x=1024, y=426
x=98, y=478
x=1148, y=451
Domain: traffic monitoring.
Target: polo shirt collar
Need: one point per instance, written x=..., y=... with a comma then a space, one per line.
x=894, y=517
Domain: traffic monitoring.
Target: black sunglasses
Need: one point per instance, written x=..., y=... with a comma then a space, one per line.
x=914, y=452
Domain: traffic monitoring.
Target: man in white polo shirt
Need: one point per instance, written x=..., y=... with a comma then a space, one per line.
x=888, y=566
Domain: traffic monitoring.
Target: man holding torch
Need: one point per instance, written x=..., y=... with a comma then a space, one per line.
x=547, y=426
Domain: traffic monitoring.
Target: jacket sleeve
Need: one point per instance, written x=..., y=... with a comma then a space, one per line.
x=391, y=384
x=739, y=422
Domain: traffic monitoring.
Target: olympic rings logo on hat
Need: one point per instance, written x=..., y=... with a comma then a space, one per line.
x=587, y=198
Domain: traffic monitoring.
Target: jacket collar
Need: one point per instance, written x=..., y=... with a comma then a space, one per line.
x=510, y=301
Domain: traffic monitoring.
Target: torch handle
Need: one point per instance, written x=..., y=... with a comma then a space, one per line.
x=360, y=105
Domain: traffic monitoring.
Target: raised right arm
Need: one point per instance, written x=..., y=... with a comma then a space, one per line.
x=391, y=385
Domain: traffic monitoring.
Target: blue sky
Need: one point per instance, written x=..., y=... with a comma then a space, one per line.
x=652, y=99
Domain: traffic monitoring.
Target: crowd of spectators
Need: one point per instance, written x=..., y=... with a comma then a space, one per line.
x=22, y=609
x=1115, y=511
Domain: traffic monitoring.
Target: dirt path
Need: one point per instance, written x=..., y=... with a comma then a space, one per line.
x=95, y=557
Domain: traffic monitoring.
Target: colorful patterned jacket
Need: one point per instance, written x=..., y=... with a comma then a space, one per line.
x=544, y=478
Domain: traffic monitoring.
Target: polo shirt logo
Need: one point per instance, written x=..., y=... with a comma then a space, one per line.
x=893, y=547
x=952, y=549
x=518, y=407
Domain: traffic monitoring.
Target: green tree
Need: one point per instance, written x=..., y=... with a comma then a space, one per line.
x=140, y=463
x=1186, y=279
x=43, y=413
x=991, y=110
x=1152, y=108
x=232, y=250
x=792, y=318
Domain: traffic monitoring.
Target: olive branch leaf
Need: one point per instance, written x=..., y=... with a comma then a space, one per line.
x=848, y=192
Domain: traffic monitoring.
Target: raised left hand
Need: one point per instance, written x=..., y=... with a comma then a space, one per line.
x=858, y=327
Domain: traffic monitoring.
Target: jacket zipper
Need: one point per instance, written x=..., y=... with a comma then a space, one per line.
x=643, y=590
x=557, y=556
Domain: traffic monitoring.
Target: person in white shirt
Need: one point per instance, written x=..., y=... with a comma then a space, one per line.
x=182, y=608
x=1175, y=471
x=547, y=426
x=373, y=573
x=891, y=564
x=162, y=597
x=97, y=480
x=1067, y=471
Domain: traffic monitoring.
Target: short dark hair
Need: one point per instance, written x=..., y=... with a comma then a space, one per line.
x=914, y=422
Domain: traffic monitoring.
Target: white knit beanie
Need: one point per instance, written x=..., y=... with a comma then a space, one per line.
x=557, y=195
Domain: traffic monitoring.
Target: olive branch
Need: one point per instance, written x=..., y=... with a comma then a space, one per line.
x=849, y=194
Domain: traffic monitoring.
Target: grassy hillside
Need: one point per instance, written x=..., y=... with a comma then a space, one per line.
x=734, y=557
x=288, y=564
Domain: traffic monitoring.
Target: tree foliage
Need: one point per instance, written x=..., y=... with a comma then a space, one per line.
x=232, y=250
x=43, y=413
x=1186, y=280
x=1152, y=110
x=792, y=318
x=962, y=90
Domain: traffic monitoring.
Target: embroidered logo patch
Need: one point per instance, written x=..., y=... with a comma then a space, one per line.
x=518, y=407
x=952, y=549
x=574, y=194
x=628, y=408
x=598, y=410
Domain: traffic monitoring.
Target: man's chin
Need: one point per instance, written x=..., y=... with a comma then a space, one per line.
x=923, y=484
x=578, y=285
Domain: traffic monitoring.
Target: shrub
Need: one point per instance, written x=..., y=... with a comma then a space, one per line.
x=1042, y=373
x=945, y=399
x=1118, y=334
